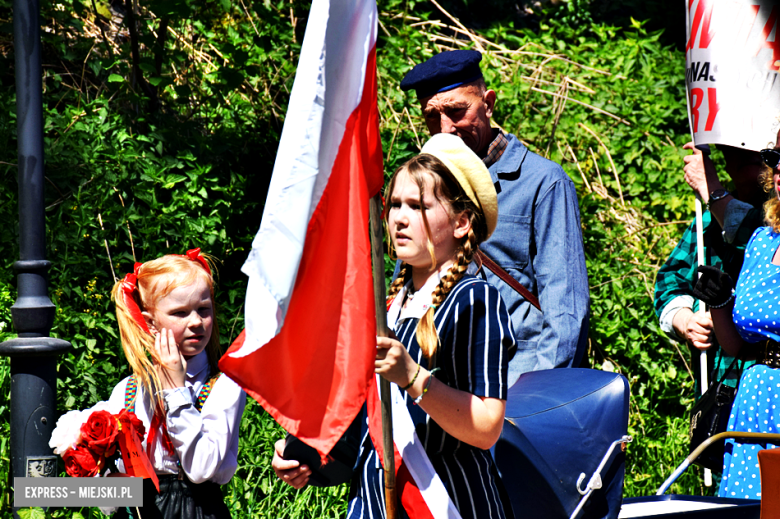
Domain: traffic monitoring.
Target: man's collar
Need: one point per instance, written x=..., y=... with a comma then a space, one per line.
x=513, y=157
x=495, y=148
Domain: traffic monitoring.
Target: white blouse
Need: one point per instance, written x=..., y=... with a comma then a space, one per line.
x=206, y=442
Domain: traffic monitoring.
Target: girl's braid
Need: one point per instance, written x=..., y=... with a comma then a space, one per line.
x=451, y=278
x=399, y=282
x=427, y=337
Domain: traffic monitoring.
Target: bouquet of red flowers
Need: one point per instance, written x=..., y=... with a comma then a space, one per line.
x=91, y=441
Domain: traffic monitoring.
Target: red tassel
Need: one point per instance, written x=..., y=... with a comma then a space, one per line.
x=137, y=463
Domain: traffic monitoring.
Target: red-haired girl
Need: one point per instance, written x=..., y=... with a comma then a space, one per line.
x=167, y=324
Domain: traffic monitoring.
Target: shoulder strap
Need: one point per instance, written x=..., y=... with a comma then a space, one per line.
x=739, y=358
x=480, y=258
x=130, y=390
x=204, y=392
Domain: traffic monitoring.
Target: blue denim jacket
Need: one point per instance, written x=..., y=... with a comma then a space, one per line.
x=538, y=241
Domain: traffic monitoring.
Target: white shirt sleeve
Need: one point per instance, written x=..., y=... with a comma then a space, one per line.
x=670, y=310
x=214, y=430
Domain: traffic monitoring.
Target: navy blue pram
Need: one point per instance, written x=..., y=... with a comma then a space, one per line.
x=561, y=427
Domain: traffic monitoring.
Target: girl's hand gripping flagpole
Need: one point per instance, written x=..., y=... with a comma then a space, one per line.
x=378, y=261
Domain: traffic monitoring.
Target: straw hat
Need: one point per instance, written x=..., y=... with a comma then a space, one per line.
x=469, y=171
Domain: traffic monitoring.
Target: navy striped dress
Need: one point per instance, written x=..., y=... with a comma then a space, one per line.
x=476, y=346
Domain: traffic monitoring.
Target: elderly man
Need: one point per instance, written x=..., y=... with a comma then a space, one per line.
x=538, y=240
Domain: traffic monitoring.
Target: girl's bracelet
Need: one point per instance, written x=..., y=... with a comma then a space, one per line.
x=414, y=379
x=427, y=386
x=727, y=301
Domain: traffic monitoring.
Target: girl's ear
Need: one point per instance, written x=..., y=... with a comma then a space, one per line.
x=149, y=322
x=462, y=225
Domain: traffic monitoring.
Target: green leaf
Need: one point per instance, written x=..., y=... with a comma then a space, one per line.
x=147, y=66
x=115, y=78
x=172, y=180
x=231, y=77
x=31, y=513
x=103, y=10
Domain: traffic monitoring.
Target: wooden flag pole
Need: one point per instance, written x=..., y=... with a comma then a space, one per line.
x=378, y=262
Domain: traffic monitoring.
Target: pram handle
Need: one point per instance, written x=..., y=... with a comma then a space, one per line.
x=756, y=437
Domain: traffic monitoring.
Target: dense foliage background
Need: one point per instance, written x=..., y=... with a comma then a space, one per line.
x=162, y=119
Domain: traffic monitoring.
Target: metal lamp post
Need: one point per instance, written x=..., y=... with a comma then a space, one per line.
x=33, y=354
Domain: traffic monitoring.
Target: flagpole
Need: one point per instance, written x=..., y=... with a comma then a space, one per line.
x=378, y=262
x=703, y=382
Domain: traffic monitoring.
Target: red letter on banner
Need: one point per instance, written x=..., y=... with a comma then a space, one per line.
x=712, y=105
x=696, y=23
x=697, y=96
x=706, y=34
x=774, y=45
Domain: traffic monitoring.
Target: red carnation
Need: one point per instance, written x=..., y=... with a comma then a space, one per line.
x=127, y=418
x=100, y=432
x=81, y=462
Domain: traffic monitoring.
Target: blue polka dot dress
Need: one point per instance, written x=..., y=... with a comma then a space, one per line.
x=757, y=404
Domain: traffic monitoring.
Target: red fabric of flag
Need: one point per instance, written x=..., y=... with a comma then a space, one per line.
x=313, y=375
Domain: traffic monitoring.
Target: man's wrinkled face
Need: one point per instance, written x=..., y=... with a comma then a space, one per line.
x=463, y=111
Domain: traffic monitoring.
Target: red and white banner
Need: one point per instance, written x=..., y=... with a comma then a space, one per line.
x=732, y=63
x=308, y=351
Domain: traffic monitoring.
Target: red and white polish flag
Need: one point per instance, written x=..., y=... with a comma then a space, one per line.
x=307, y=354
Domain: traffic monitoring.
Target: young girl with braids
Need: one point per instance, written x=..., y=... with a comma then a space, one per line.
x=454, y=335
x=168, y=329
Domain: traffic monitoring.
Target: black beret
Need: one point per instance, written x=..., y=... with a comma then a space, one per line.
x=443, y=72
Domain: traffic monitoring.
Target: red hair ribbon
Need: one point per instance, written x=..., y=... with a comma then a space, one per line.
x=129, y=288
x=194, y=255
